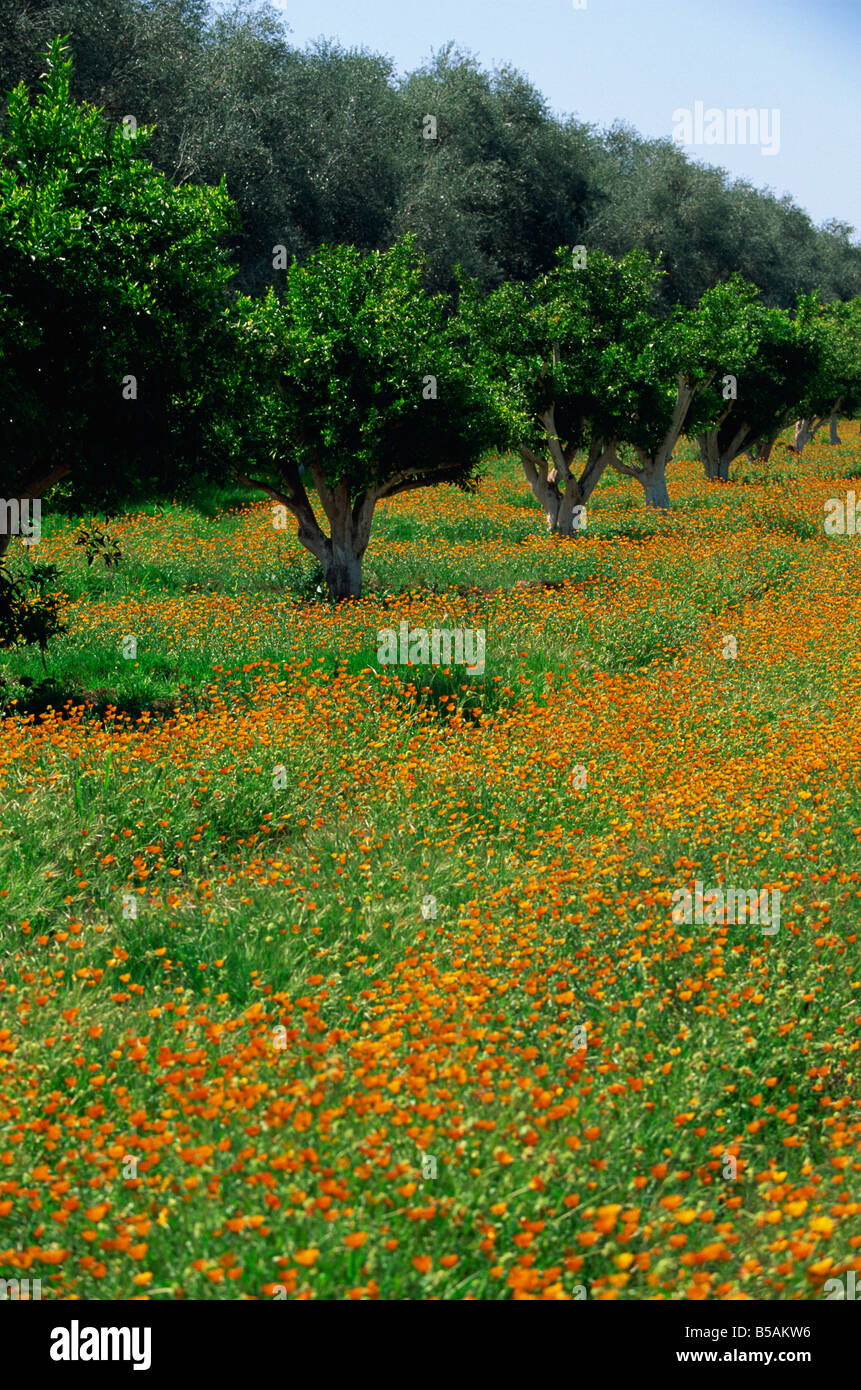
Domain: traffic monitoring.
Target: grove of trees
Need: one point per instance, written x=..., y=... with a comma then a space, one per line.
x=329, y=145
x=423, y=299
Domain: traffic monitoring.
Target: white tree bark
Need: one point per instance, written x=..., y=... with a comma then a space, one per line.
x=807, y=427
x=342, y=552
x=556, y=489
x=544, y=489
x=652, y=473
x=803, y=431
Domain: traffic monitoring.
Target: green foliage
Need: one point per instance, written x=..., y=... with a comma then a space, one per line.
x=568, y=340
x=96, y=542
x=705, y=225
x=352, y=354
x=325, y=145
x=501, y=184
x=590, y=341
x=29, y=610
x=779, y=358
x=836, y=331
x=107, y=273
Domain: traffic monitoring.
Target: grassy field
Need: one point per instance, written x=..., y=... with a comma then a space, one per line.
x=327, y=979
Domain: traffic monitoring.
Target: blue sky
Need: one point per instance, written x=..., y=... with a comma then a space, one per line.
x=642, y=60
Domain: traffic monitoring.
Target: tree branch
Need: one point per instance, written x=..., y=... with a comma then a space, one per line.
x=420, y=476
x=411, y=483
x=298, y=504
x=548, y=420
x=626, y=468
x=264, y=487
x=37, y=486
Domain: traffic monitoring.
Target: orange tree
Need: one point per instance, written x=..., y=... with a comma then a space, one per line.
x=112, y=305
x=355, y=387
x=584, y=362
x=836, y=384
x=776, y=358
x=561, y=353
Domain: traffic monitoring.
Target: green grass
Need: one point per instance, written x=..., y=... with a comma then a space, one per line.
x=300, y=897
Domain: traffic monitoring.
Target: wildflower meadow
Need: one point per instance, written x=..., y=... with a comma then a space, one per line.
x=329, y=979
x=430, y=673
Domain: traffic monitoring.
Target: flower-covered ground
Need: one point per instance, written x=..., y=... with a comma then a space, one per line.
x=327, y=979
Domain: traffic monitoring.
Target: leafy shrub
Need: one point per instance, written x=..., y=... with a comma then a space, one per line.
x=97, y=542
x=29, y=613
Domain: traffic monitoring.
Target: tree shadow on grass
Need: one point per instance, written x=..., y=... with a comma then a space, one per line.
x=28, y=696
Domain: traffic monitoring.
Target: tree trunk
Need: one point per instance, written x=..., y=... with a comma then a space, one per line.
x=715, y=463
x=558, y=506
x=652, y=472
x=31, y=487
x=343, y=573
x=655, y=489
x=707, y=444
x=803, y=429
x=542, y=485
x=835, y=437
x=339, y=555
x=350, y=532
x=763, y=453
x=651, y=475
x=570, y=499
x=760, y=450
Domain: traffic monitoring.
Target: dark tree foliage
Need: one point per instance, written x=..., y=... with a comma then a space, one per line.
x=113, y=290
x=705, y=226
x=326, y=146
x=501, y=184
